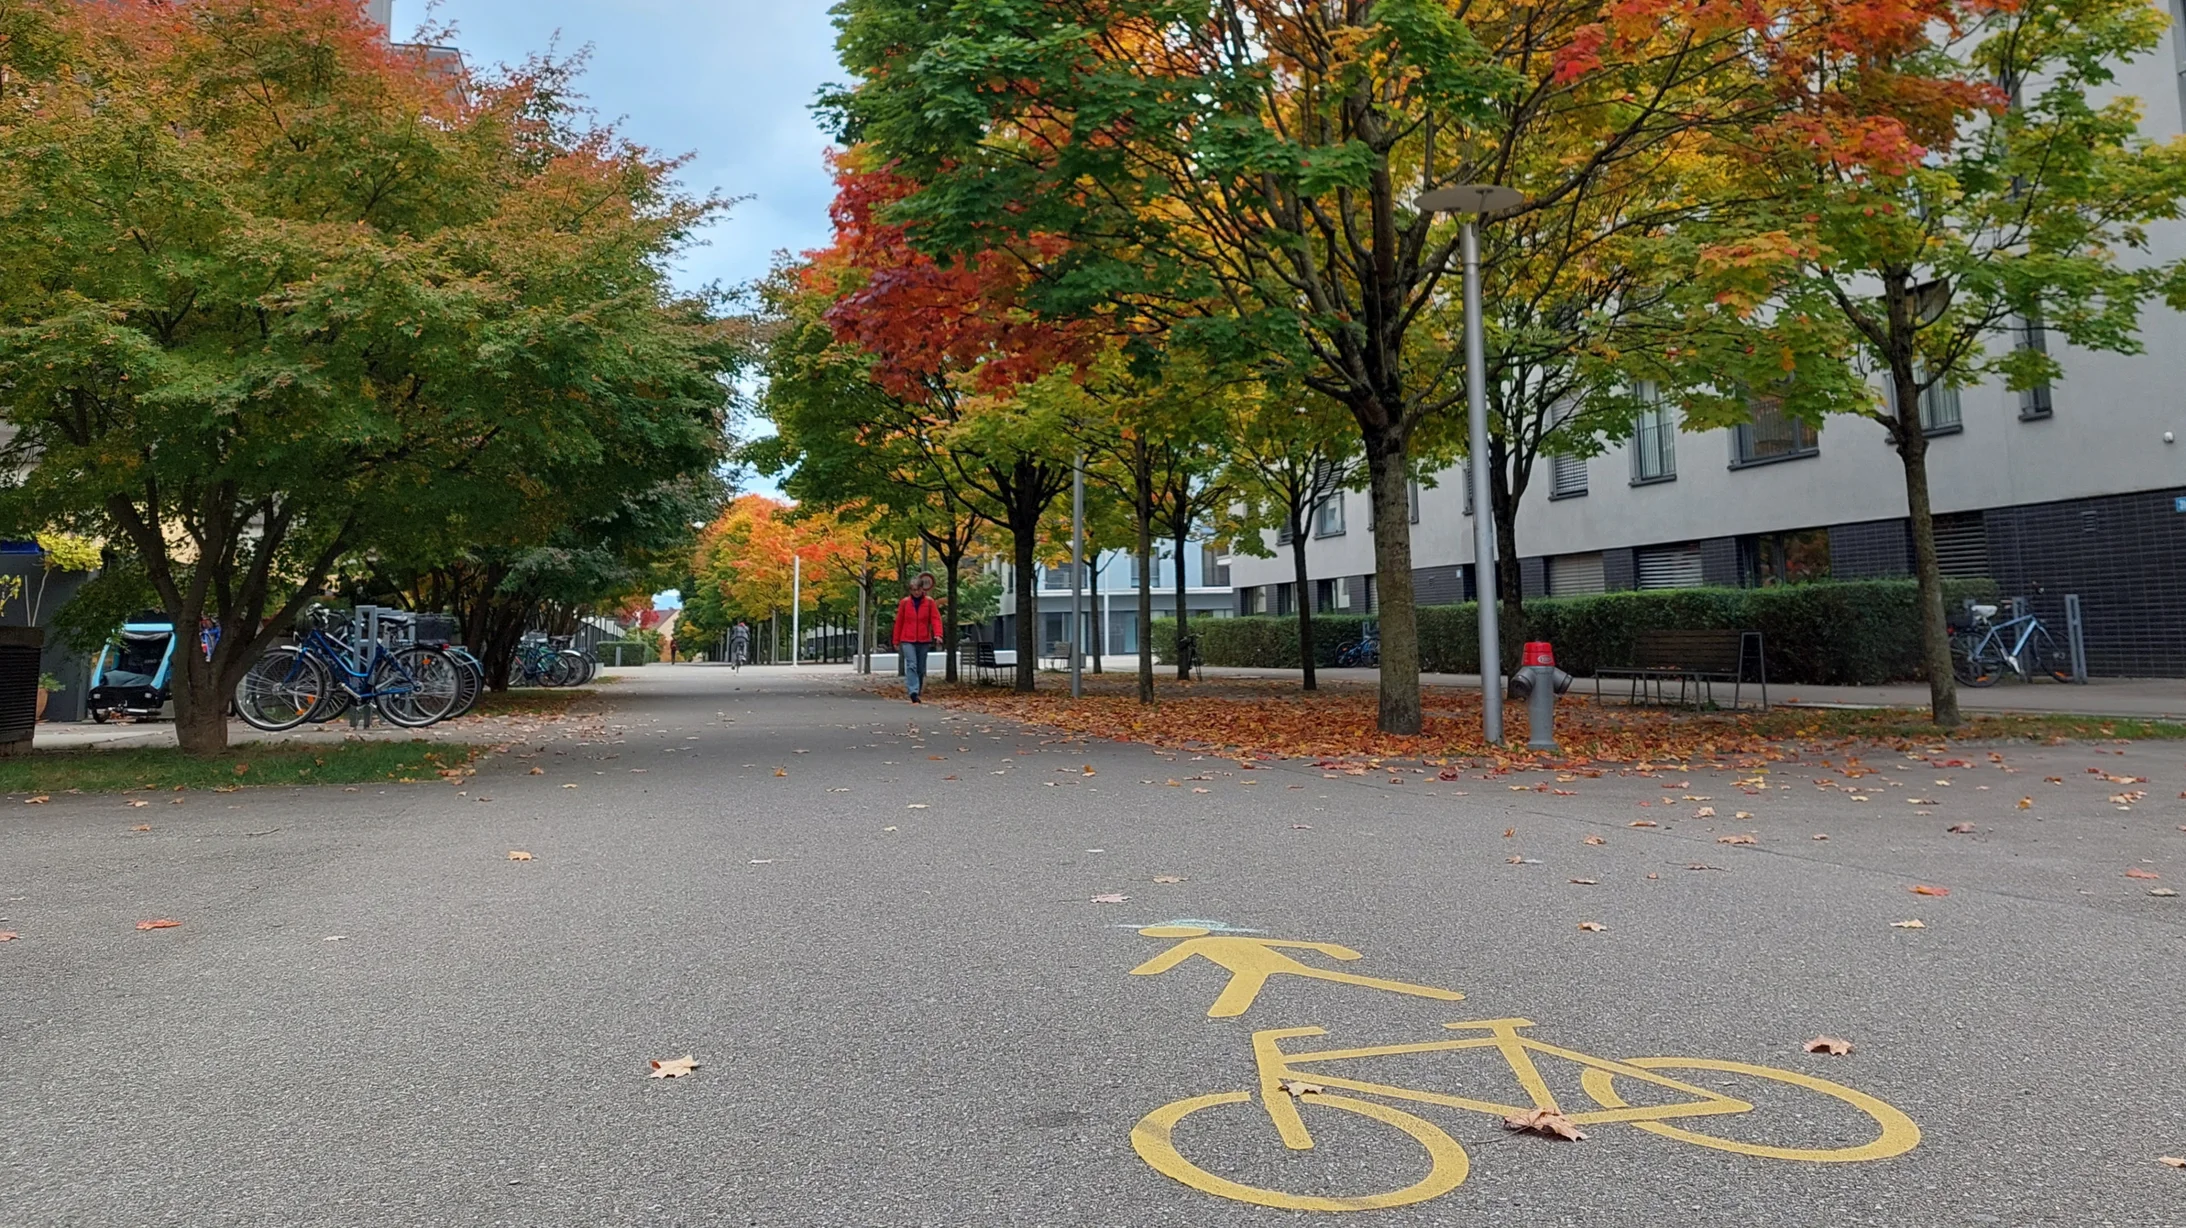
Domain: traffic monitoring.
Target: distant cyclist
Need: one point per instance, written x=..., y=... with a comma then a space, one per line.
x=739, y=644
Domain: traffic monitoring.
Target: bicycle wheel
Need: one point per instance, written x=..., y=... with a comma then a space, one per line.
x=1447, y=1165
x=473, y=677
x=1895, y=1132
x=414, y=687
x=1976, y=660
x=2044, y=656
x=580, y=666
x=280, y=690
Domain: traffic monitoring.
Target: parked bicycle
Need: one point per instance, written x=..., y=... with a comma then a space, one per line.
x=1187, y=647
x=543, y=660
x=1983, y=649
x=326, y=672
x=1366, y=654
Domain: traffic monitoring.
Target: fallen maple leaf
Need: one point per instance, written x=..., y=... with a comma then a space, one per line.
x=777, y=772
x=1737, y=839
x=1546, y=1122
x=39, y=800
x=2171, y=1161
x=1705, y=812
x=142, y=827
x=1914, y=924
x=134, y=802
x=2026, y=803
x=162, y=924
x=537, y=771
x=9, y=935
x=1508, y=832
x=1925, y=889
x=673, y=1068
x=1593, y=840
x=1110, y=898
x=1643, y=823
x=1089, y=770
x=1831, y=1045
x=519, y=855
x=1299, y=1087
x=1587, y=882
x=2137, y=872
x=1593, y=927
x=1960, y=829
x=1168, y=878
x=2162, y=891
x=919, y=806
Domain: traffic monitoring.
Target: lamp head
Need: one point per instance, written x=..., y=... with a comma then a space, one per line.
x=1470, y=198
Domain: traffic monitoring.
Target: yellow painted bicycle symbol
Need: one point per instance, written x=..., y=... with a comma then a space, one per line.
x=1668, y=1082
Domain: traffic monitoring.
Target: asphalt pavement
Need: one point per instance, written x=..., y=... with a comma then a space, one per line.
x=886, y=935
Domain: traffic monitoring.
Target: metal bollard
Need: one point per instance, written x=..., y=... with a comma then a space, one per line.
x=1539, y=682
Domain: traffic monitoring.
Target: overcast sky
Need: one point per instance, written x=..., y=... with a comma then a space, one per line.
x=728, y=81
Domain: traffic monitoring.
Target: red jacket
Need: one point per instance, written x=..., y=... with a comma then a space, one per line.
x=919, y=622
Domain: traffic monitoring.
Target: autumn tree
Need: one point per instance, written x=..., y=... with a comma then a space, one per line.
x=272, y=291
x=1290, y=451
x=1956, y=180
x=949, y=344
x=1240, y=173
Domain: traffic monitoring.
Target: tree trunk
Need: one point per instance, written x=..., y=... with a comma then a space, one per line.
x=1183, y=534
x=1022, y=541
x=1142, y=476
x=201, y=709
x=1510, y=579
x=1302, y=584
x=1390, y=491
x=1093, y=604
x=1935, y=635
x=948, y=624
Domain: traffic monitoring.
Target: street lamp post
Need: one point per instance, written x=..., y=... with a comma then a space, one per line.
x=1077, y=578
x=1470, y=200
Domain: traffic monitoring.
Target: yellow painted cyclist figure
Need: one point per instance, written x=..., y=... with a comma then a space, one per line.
x=1251, y=961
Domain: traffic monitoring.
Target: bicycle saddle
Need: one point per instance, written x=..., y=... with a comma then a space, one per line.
x=1984, y=611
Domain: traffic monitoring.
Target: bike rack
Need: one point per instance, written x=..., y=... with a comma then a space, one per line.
x=2076, y=634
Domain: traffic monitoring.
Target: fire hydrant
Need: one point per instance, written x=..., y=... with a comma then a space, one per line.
x=1540, y=682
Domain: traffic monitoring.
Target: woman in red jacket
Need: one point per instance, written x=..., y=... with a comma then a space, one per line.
x=918, y=630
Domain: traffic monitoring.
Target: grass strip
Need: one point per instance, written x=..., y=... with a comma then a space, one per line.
x=1912, y=724
x=165, y=768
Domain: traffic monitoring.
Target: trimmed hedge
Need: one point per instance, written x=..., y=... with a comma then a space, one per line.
x=1264, y=643
x=1842, y=633
x=634, y=652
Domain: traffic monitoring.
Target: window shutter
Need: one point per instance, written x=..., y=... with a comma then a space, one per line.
x=1670, y=567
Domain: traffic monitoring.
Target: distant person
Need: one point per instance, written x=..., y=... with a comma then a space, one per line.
x=739, y=644
x=918, y=629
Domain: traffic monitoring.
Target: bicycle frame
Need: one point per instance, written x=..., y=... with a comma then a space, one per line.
x=2016, y=655
x=350, y=666
x=1277, y=1066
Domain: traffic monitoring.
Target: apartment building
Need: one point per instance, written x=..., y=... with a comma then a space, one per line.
x=2079, y=488
x=1109, y=616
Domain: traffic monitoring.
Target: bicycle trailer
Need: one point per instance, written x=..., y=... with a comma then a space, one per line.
x=133, y=673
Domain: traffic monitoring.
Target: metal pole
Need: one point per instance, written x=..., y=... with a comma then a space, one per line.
x=1476, y=416
x=864, y=664
x=1077, y=578
x=796, y=604
x=2075, y=633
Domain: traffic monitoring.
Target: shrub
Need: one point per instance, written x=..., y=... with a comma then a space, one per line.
x=1847, y=633
x=634, y=651
x=1262, y=642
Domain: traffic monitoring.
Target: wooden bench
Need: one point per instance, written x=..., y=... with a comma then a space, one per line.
x=986, y=671
x=1696, y=661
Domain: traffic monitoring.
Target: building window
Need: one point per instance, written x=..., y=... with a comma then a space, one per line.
x=1328, y=517
x=1772, y=436
x=1256, y=599
x=2034, y=402
x=1571, y=575
x=1771, y=559
x=1060, y=575
x=1213, y=572
x=1654, y=440
x=1283, y=535
x=1939, y=413
x=1566, y=477
x=1669, y=567
x=1285, y=599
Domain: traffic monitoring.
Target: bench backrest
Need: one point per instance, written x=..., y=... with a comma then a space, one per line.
x=1715, y=652
x=986, y=654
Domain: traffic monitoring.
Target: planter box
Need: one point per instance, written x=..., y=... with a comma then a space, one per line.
x=20, y=650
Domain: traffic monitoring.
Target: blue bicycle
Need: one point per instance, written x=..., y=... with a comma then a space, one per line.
x=1983, y=649
x=1366, y=654
x=322, y=675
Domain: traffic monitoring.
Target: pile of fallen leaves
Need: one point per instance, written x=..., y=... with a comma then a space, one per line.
x=1270, y=718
